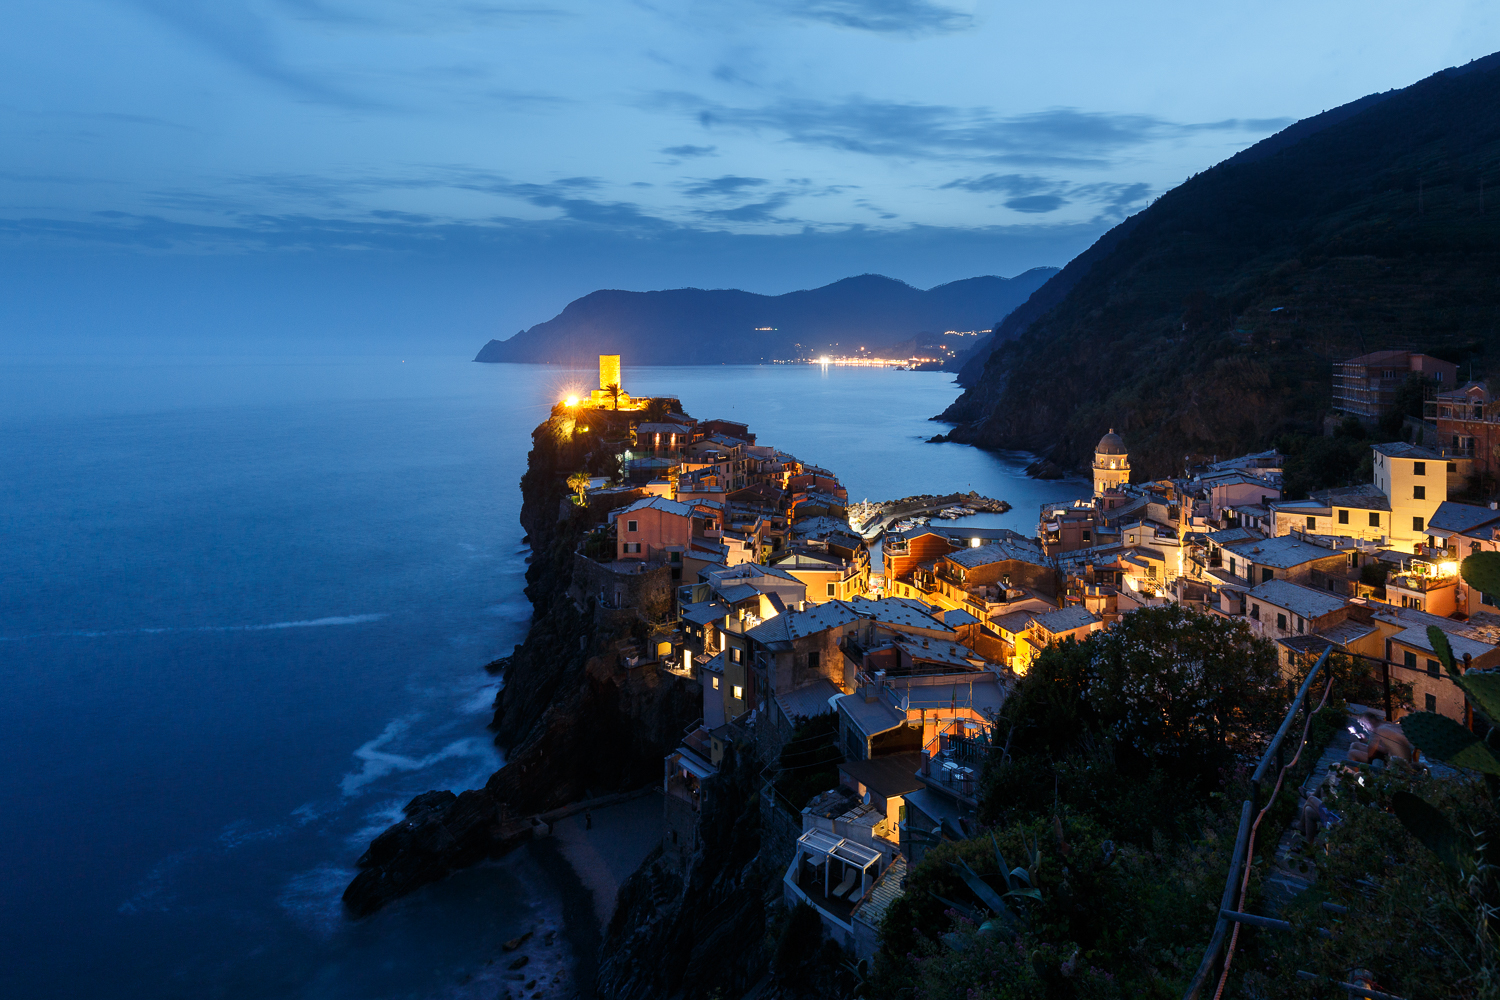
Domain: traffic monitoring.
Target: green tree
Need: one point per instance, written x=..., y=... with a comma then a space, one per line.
x=614, y=393
x=578, y=482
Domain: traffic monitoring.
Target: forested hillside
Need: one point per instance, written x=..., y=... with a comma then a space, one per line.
x=1210, y=324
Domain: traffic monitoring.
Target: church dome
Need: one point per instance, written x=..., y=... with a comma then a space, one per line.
x=1110, y=444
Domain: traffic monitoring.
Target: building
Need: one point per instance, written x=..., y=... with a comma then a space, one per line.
x=1111, y=463
x=1415, y=481
x=1366, y=386
x=1467, y=430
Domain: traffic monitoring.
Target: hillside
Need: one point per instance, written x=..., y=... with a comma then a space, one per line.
x=690, y=326
x=1208, y=323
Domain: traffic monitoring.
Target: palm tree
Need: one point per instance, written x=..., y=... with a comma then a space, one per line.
x=656, y=410
x=578, y=482
x=614, y=391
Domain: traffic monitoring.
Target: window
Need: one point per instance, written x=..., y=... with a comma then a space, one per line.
x=1419, y=493
x=734, y=653
x=1416, y=524
x=716, y=684
x=1267, y=574
x=676, y=557
x=832, y=589
x=1419, y=468
x=738, y=692
x=1433, y=668
x=1487, y=599
x=1431, y=701
x=1343, y=517
x=1085, y=534
x=1473, y=547
x=1151, y=572
x=632, y=525
x=1301, y=625
x=1452, y=466
x=1281, y=621
x=1409, y=659
x=1374, y=520
x=1255, y=611
x=812, y=661
x=1312, y=522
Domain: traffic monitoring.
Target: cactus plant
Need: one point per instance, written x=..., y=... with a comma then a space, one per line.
x=1483, y=689
x=1438, y=640
x=1441, y=737
x=1427, y=825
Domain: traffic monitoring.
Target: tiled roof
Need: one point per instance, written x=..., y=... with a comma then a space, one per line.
x=1460, y=517
x=995, y=552
x=887, y=889
x=1366, y=497
x=1297, y=599
x=657, y=503
x=1405, y=449
x=896, y=611
x=1283, y=552
x=1065, y=619
x=808, y=700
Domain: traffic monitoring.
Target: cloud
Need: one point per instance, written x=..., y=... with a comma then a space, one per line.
x=1039, y=195
x=762, y=211
x=244, y=38
x=1036, y=203
x=905, y=17
x=726, y=185
x=1056, y=137
x=690, y=151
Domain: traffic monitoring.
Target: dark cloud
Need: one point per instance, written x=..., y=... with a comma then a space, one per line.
x=1012, y=184
x=1039, y=195
x=726, y=185
x=688, y=151
x=905, y=17
x=1058, y=137
x=762, y=211
x=1036, y=203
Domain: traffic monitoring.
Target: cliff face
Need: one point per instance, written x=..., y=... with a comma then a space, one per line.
x=572, y=720
x=1209, y=322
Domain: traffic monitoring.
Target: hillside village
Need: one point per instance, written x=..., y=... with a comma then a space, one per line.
x=756, y=585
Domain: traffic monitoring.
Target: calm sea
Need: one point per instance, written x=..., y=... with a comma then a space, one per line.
x=244, y=606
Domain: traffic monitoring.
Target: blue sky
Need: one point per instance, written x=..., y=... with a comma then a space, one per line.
x=436, y=172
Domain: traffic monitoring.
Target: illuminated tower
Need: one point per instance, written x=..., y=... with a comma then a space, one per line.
x=609, y=371
x=1111, y=464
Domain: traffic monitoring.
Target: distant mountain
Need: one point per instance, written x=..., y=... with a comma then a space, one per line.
x=693, y=326
x=1208, y=323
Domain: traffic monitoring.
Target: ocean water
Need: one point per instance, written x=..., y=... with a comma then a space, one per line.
x=244, y=609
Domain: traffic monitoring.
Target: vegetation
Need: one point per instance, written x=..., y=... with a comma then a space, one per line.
x=1119, y=752
x=1211, y=324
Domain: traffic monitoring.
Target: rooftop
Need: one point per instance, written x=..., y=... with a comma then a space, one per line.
x=1297, y=599
x=886, y=777
x=1283, y=552
x=996, y=552
x=1065, y=619
x=656, y=503
x=1460, y=517
x=1404, y=449
x=1366, y=497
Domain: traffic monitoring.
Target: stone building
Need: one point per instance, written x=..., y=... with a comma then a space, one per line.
x=1111, y=463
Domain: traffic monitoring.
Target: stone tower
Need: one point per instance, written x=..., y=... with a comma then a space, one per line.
x=609, y=371
x=1111, y=463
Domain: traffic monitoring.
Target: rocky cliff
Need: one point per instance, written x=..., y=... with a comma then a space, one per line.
x=572, y=720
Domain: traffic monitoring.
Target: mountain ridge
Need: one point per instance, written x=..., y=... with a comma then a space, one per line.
x=1208, y=322
x=685, y=326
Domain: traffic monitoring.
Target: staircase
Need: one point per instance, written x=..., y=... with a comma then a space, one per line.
x=1293, y=872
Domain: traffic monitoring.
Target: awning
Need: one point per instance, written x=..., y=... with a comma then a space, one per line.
x=694, y=764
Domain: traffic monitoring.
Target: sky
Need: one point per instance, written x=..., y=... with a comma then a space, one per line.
x=427, y=174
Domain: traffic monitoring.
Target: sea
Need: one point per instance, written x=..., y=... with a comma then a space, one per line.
x=245, y=609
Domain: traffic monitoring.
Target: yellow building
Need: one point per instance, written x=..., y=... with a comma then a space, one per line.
x=1111, y=463
x=1415, y=480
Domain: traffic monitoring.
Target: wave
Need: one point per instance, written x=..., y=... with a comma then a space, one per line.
x=103, y=633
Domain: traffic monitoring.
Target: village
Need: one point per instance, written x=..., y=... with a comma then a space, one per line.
x=735, y=565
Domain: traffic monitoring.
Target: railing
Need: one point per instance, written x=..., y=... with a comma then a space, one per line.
x=1275, y=750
